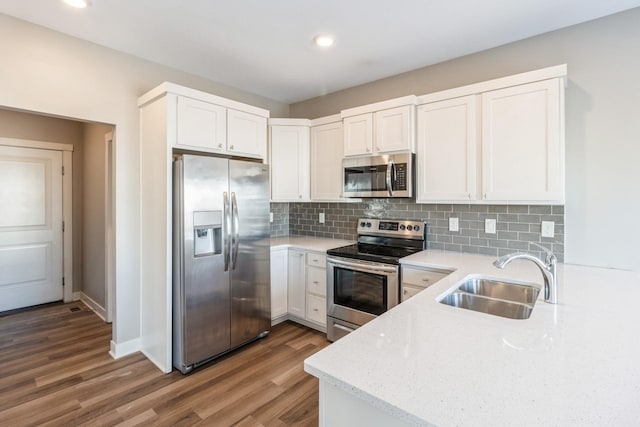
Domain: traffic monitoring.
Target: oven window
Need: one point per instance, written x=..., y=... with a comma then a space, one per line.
x=366, y=292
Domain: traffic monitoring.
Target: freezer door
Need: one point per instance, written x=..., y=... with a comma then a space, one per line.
x=250, y=251
x=201, y=287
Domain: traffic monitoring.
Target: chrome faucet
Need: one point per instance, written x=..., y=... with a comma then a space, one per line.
x=547, y=267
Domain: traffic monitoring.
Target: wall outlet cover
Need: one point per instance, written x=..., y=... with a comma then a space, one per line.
x=547, y=229
x=321, y=217
x=270, y=216
x=453, y=224
x=490, y=226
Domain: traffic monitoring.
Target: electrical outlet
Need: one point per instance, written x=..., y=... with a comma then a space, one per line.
x=321, y=217
x=270, y=216
x=490, y=226
x=453, y=224
x=547, y=229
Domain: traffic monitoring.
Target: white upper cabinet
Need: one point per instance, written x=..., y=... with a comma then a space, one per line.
x=203, y=122
x=380, y=128
x=289, y=158
x=522, y=143
x=246, y=134
x=201, y=125
x=358, y=134
x=394, y=129
x=326, y=161
x=446, y=150
x=500, y=141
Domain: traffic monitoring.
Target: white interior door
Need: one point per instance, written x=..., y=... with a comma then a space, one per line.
x=30, y=227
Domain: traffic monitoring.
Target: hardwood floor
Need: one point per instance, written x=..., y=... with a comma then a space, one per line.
x=55, y=371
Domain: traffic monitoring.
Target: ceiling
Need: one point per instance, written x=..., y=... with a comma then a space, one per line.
x=265, y=47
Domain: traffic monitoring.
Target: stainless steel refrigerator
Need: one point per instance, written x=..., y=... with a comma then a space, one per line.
x=221, y=289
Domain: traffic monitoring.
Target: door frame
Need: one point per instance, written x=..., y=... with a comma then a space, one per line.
x=110, y=228
x=67, y=199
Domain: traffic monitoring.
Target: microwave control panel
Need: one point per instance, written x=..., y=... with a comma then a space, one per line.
x=401, y=176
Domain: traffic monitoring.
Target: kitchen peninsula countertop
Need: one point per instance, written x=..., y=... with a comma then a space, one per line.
x=318, y=244
x=426, y=363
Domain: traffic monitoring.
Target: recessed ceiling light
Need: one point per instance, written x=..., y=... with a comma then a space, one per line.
x=79, y=4
x=323, y=41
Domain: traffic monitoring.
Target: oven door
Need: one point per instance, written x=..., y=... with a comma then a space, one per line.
x=359, y=291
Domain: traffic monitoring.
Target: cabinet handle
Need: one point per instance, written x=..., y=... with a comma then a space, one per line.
x=219, y=145
x=378, y=147
x=484, y=196
x=404, y=292
x=315, y=309
x=469, y=195
x=368, y=150
x=315, y=281
x=426, y=279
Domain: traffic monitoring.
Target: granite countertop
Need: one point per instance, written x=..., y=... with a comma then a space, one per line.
x=318, y=244
x=574, y=363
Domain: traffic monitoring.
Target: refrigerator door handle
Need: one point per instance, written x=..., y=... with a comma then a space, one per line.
x=236, y=230
x=227, y=225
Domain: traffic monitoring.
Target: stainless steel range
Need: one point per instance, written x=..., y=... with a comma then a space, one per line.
x=363, y=279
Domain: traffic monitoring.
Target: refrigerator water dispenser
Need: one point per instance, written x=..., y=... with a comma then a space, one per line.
x=207, y=233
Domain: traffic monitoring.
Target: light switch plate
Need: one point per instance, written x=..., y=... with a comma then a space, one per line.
x=321, y=217
x=453, y=224
x=490, y=226
x=270, y=216
x=547, y=229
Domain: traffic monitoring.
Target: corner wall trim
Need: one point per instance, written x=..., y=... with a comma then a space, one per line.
x=126, y=348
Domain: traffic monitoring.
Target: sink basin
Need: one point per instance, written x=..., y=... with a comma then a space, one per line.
x=495, y=297
x=513, y=292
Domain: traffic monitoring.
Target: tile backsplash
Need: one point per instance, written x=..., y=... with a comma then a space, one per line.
x=516, y=225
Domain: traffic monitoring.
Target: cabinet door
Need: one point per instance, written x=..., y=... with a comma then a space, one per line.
x=394, y=129
x=327, y=150
x=247, y=134
x=296, y=284
x=358, y=134
x=522, y=143
x=279, y=280
x=201, y=125
x=289, y=163
x=447, y=144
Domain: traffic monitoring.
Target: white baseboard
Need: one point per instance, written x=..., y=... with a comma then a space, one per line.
x=76, y=296
x=279, y=319
x=93, y=305
x=126, y=348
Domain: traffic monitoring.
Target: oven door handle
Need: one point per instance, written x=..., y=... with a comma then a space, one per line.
x=362, y=267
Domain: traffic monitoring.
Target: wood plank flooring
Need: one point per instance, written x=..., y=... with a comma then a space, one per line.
x=55, y=370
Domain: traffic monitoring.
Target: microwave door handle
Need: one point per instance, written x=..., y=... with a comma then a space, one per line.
x=390, y=176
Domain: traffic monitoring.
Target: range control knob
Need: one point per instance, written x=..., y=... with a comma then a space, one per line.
x=362, y=224
x=409, y=227
x=402, y=227
x=369, y=224
x=416, y=228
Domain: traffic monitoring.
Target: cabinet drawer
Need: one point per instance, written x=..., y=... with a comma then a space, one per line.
x=317, y=260
x=408, y=291
x=317, y=281
x=422, y=278
x=317, y=309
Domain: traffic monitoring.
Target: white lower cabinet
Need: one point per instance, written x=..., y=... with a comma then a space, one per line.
x=279, y=282
x=296, y=284
x=299, y=287
x=416, y=279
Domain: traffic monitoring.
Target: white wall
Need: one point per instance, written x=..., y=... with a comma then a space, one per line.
x=602, y=123
x=48, y=72
x=93, y=212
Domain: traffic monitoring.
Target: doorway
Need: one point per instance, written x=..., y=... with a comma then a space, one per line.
x=88, y=258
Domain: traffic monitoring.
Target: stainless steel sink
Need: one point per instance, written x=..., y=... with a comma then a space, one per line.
x=500, y=298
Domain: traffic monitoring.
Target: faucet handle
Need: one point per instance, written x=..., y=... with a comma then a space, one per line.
x=550, y=257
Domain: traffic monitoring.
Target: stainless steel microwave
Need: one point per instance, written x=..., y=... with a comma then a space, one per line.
x=379, y=176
